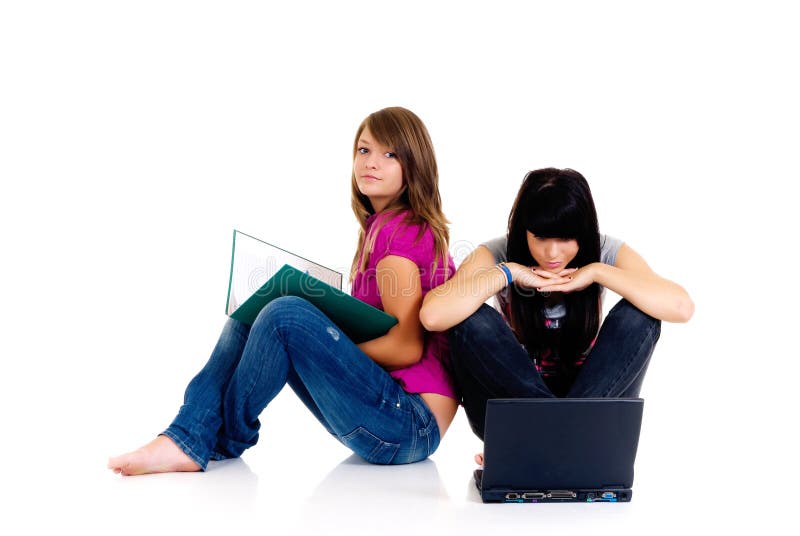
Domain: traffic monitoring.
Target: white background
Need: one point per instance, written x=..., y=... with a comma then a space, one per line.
x=134, y=136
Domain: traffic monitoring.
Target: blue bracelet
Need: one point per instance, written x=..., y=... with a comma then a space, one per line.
x=506, y=271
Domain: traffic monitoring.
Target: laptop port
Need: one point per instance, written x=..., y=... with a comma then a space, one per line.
x=533, y=495
x=512, y=496
x=561, y=494
x=608, y=495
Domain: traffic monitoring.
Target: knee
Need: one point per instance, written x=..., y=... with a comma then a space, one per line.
x=281, y=311
x=480, y=326
x=634, y=320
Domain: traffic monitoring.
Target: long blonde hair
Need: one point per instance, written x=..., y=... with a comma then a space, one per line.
x=405, y=134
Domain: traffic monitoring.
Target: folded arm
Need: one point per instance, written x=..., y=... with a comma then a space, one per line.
x=634, y=280
x=401, y=295
x=476, y=280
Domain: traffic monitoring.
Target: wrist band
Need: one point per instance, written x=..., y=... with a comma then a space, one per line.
x=506, y=271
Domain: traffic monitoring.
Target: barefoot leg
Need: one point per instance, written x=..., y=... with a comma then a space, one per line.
x=161, y=455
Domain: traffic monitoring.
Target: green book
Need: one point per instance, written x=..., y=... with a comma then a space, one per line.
x=261, y=272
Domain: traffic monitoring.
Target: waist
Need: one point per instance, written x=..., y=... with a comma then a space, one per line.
x=443, y=409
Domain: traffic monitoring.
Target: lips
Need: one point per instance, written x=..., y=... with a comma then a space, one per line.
x=369, y=178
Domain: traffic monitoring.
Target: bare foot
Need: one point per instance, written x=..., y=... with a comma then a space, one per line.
x=161, y=455
x=479, y=458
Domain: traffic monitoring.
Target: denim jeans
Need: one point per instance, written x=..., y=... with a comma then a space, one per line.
x=489, y=362
x=292, y=342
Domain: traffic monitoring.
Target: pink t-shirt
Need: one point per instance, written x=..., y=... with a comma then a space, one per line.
x=432, y=373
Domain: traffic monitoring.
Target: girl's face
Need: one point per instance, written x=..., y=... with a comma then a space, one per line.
x=378, y=172
x=552, y=254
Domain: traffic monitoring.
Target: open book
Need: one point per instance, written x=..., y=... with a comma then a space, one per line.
x=261, y=272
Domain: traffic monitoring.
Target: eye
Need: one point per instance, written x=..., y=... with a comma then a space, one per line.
x=390, y=155
x=363, y=150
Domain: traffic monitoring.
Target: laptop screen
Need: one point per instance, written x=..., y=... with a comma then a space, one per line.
x=561, y=443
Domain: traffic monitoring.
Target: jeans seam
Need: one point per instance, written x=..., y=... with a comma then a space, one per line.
x=254, y=381
x=381, y=444
x=484, y=371
x=627, y=366
x=386, y=405
x=384, y=402
x=422, y=412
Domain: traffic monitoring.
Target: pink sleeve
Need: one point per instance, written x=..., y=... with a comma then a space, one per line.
x=397, y=238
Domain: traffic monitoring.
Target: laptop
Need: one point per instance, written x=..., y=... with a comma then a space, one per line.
x=559, y=449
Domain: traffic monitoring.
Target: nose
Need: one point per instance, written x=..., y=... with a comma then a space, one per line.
x=370, y=162
x=552, y=248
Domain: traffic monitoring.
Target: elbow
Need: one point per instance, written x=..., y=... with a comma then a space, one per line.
x=410, y=354
x=685, y=310
x=430, y=320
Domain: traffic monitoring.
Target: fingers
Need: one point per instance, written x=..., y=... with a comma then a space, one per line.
x=572, y=284
x=543, y=280
x=565, y=274
x=544, y=274
x=539, y=279
x=567, y=286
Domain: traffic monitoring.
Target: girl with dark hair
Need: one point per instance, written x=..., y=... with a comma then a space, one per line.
x=390, y=399
x=547, y=275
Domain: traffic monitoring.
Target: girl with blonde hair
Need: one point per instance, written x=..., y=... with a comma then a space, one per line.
x=389, y=399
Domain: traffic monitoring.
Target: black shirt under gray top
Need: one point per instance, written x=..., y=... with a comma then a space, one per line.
x=554, y=312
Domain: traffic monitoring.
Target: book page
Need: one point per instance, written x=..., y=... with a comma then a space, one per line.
x=255, y=261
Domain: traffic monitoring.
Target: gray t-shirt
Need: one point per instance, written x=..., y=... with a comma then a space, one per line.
x=609, y=246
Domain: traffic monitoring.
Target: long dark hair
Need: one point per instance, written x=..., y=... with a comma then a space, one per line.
x=555, y=203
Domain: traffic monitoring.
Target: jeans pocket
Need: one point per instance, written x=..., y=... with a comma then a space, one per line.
x=370, y=447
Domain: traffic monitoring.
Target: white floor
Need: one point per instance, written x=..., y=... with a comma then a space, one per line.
x=303, y=482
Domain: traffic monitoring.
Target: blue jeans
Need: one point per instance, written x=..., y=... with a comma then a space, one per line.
x=489, y=362
x=292, y=342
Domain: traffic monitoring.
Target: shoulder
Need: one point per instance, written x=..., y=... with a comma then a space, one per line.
x=399, y=227
x=497, y=247
x=609, y=247
x=396, y=235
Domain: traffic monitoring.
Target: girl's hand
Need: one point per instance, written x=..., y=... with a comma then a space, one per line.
x=578, y=279
x=536, y=277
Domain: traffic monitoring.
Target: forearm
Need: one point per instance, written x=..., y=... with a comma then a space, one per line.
x=396, y=349
x=451, y=303
x=652, y=294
